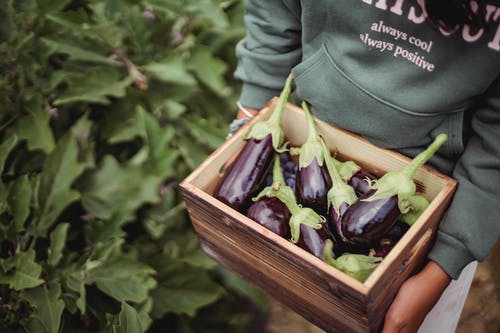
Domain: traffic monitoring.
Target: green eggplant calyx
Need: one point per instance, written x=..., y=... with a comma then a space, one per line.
x=401, y=183
x=340, y=192
x=309, y=151
x=357, y=266
x=272, y=126
x=307, y=216
x=339, y=195
x=394, y=183
x=418, y=204
x=312, y=148
x=346, y=169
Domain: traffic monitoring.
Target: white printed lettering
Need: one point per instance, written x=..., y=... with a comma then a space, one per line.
x=495, y=43
x=397, y=8
x=382, y=4
x=426, y=46
x=414, y=58
x=493, y=13
x=468, y=37
x=417, y=14
x=412, y=16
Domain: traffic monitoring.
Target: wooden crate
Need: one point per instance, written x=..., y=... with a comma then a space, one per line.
x=320, y=293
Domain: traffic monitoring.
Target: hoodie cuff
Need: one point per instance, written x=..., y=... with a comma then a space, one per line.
x=256, y=97
x=450, y=254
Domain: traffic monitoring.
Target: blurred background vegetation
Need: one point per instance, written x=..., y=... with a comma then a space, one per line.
x=105, y=106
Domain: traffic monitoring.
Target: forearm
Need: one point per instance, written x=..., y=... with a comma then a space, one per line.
x=271, y=47
x=415, y=299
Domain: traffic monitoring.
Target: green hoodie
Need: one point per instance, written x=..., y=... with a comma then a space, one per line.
x=378, y=68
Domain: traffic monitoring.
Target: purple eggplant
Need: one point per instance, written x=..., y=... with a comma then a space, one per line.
x=339, y=197
x=365, y=221
x=246, y=173
x=389, y=198
x=313, y=180
x=313, y=240
x=298, y=215
x=361, y=181
x=353, y=175
x=389, y=240
x=253, y=161
x=271, y=213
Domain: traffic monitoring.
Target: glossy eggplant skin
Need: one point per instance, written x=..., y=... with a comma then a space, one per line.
x=313, y=183
x=272, y=214
x=359, y=182
x=243, y=177
x=313, y=240
x=335, y=223
x=368, y=221
x=390, y=239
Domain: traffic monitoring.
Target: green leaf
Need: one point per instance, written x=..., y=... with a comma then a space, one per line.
x=114, y=187
x=161, y=158
x=75, y=283
x=26, y=274
x=5, y=149
x=209, y=70
x=77, y=53
x=174, y=109
x=57, y=243
x=124, y=279
x=210, y=12
x=35, y=128
x=128, y=320
x=143, y=310
x=172, y=70
x=19, y=199
x=49, y=6
x=48, y=308
x=207, y=132
x=235, y=283
x=94, y=86
x=60, y=169
x=192, y=151
x=183, y=289
x=82, y=131
x=74, y=20
x=122, y=123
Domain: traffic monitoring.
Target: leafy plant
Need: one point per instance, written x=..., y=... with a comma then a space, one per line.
x=105, y=105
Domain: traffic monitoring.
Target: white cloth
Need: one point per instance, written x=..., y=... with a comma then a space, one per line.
x=445, y=315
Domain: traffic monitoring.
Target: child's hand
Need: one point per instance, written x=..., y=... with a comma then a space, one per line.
x=415, y=299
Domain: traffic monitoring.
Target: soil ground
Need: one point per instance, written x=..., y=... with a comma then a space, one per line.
x=481, y=313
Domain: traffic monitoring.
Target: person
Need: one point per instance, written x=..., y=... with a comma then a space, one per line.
x=397, y=72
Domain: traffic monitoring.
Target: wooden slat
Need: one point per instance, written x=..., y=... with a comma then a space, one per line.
x=313, y=289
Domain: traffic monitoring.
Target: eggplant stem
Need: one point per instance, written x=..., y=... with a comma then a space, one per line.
x=419, y=160
x=277, y=173
x=334, y=174
x=311, y=148
x=311, y=126
x=275, y=117
x=272, y=126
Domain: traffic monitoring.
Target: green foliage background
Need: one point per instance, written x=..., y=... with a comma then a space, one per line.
x=105, y=105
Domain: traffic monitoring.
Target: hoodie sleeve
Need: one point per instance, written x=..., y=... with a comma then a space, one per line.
x=472, y=223
x=270, y=48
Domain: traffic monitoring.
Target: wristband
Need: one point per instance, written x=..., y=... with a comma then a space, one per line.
x=237, y=123
x=244, y=110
